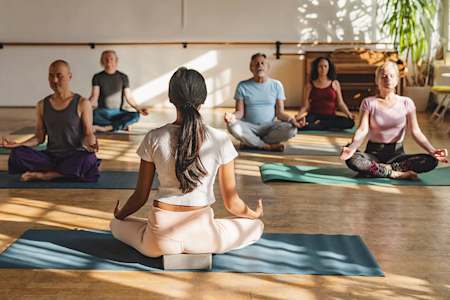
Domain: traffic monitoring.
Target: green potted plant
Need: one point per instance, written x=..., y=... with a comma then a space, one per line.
x=405, y=23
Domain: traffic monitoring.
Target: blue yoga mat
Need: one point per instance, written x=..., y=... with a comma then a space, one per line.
x=345, y=131
x=281, y=172
x=108, y=180
x=274, y=253
x=40, y=147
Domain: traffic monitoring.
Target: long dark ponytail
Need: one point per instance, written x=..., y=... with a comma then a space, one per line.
x=187, y=90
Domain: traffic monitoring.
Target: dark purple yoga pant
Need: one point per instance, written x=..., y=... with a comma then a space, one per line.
x=82, y=165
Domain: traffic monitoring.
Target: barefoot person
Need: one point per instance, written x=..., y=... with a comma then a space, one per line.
x=109, y=87
x=187, y=156
x=258, y=101
x=66, y=119
x=384, y=117
x=320, y=98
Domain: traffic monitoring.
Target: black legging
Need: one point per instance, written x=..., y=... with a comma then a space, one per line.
x=327, y=122
x=368, y=163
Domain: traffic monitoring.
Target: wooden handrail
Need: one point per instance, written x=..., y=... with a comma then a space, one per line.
x=185, y=44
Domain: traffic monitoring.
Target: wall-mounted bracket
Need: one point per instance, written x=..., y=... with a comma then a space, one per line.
x=278, y=44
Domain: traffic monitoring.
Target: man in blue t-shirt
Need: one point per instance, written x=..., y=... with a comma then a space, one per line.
x=109, y=88
x=258, y=101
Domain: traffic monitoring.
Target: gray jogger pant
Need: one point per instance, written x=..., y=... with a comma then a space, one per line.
x=256, y=134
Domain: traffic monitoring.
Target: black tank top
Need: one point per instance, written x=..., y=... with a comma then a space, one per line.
x=64, y=128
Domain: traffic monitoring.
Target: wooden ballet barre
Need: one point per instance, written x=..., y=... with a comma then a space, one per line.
x=185, y=44
x=180, y=43
x=135, y=43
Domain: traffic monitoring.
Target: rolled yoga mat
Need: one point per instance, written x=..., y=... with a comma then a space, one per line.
x=274, y=253
x=40, y=147
x=345, y=131
x=320, y=150
x=281, y=172
x=108, y=180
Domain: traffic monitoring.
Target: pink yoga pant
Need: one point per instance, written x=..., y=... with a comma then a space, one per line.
x=167, y=232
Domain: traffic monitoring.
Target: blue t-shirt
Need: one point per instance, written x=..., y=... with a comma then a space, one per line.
x=259, y=99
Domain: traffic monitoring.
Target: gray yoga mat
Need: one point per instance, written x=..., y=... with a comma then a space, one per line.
x=274, y=253
x=320, y=150
x=281, y=172
x=40, y=147
x=345, y=131
x=108, y=180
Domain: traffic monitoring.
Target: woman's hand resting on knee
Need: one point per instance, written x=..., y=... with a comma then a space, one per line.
x=259, y=210
x=440, y=155
x=346, y=153
x=117, y=209
x=231, y=199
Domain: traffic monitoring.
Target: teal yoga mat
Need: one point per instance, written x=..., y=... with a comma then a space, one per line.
x=108, y=180
x=40, y=147
x=319, y=150
x=345, y=131
x=274, y=253
x=281, y=172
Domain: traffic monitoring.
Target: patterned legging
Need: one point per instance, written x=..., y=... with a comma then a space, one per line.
x=368, y=163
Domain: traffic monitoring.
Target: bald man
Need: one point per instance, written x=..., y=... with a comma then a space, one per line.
x=109, y=87
x=66, y=119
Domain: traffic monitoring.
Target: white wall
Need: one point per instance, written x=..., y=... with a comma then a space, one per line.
x=23, y=69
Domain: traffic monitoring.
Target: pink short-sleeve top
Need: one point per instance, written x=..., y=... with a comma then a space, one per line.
x=387, y=125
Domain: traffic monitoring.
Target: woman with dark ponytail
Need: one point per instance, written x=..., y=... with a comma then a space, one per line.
x=187, y=155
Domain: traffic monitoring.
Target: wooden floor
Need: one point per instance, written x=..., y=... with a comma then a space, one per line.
x=406, y=228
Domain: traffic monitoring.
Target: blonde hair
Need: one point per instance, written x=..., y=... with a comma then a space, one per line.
x=384, y=66
x=104, y=53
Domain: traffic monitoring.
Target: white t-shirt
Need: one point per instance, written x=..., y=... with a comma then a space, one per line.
x=159, y=147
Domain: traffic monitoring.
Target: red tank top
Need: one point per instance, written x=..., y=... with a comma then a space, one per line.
x=322, y=100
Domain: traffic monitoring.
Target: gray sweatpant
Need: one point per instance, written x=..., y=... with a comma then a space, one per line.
x=256, y=134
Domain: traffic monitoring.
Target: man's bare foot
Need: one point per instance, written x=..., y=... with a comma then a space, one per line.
x=128, y=128
x=280, y=147
x=411, y=175
x=29, y=176
x=386, y=166
x=244, y=146
x=97, y=128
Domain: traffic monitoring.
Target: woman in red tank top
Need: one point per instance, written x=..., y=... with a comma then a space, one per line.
x=320, y=98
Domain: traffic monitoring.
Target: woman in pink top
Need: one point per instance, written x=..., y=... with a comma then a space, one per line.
x=384, y=117
x=321, y=95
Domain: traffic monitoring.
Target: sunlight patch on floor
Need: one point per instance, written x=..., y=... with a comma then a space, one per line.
x=42, y=212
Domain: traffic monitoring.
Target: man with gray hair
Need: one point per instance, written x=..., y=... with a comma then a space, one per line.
x=109, y=87
x=258, y=101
